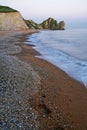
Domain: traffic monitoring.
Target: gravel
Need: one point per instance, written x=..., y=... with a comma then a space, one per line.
x=18, y=81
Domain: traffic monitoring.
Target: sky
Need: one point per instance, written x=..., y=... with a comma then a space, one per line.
x=73, y=12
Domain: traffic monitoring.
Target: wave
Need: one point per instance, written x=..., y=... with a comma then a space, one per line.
x=47, y=42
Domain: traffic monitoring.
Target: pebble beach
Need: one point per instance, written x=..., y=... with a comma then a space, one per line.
x=34, y=94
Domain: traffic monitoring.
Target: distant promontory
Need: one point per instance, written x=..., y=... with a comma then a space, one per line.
x=11, y=19
x=50, y=23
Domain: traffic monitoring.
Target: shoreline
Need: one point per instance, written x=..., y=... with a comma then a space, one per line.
x=60, y=102
x=36, y=55
x=68, y=93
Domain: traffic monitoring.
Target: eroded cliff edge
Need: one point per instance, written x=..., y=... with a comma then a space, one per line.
x=11, y=20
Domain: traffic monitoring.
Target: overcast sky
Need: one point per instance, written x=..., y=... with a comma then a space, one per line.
x=71, y=11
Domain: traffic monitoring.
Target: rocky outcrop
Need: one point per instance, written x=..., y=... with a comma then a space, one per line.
x=50, y=23
x=31, y=24
x=11, y=19
x=61, y=25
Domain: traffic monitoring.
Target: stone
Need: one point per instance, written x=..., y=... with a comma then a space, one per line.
x=11, y=20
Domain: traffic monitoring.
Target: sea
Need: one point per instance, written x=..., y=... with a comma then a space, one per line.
x=66, y=49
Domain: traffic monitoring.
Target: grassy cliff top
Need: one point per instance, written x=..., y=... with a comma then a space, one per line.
x=6, y=9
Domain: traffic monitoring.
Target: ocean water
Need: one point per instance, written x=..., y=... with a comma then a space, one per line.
x=65, y=49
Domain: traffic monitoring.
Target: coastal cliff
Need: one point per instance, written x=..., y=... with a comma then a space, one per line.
x=11, y=19
x=49, y=23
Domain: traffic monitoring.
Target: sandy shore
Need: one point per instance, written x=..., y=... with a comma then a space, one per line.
x=46, y=98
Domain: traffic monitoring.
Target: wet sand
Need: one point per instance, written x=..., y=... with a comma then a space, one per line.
x=59, y=101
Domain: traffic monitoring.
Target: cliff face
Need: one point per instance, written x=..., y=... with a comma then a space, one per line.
x=50, y=23
x=31, y=24
x=12, y=21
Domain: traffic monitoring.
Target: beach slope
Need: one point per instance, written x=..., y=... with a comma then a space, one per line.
x=34, y=93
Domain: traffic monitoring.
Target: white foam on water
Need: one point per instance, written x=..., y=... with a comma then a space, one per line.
x=65, y=49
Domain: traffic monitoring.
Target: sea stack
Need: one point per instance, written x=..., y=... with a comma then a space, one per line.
x=11, y=20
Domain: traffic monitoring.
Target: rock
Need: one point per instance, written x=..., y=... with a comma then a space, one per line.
x=11, y=19
x=50, y=23
x=32, y=25
x=61, y=25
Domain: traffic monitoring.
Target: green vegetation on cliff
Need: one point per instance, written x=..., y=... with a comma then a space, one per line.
x=31, y=24
x=6, y=9
x=50, y=23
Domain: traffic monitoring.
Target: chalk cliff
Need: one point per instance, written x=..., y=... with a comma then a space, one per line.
x=11, y=20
